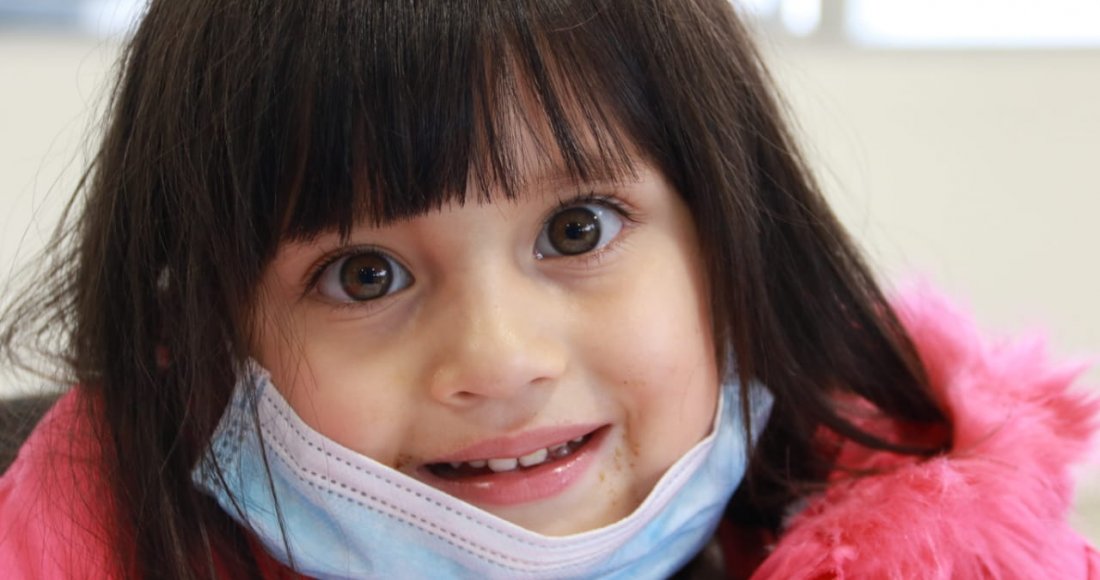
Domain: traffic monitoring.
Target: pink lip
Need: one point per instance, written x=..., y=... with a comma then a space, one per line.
x=521, y=485
x=518, y=445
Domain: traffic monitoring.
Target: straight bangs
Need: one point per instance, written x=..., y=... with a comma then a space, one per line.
x=406, y=110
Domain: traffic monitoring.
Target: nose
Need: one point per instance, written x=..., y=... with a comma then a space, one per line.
x=496, y=339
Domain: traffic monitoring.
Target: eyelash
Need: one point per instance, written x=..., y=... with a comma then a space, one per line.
x=612, y=202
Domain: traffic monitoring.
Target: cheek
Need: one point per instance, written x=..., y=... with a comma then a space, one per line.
x=654, y=348
x=661, y=325
x=333, y=383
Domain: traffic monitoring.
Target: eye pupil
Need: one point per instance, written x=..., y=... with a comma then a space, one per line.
x=366, y=276
x=575, y=231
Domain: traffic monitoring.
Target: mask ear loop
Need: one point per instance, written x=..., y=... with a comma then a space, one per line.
x=755, y=398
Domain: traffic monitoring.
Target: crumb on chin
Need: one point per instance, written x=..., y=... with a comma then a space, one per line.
x=402, y=462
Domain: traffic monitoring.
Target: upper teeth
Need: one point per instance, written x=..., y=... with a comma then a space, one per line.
x=503, y=464
x=536, y=457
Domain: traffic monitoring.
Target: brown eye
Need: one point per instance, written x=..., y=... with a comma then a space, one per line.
x=362, y=277
x=577, y=230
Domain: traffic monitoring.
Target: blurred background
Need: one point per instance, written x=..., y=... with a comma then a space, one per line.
x=959, y=141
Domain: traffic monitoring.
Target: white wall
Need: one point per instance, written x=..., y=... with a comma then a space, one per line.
x=979, y=170
x=51, y=88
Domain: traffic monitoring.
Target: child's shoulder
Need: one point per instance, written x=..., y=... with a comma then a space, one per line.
x=994, y=505
x=55, y=519
x=53, y=505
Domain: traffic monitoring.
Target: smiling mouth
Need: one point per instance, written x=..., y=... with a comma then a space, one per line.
x=489, y=466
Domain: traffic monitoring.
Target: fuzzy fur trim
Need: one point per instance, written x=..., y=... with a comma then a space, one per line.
x=994, y=506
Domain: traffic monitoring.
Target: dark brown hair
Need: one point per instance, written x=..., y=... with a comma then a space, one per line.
x=237, y=124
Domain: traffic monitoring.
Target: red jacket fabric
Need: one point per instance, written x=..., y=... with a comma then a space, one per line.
x=994, y=506
x=54, y=516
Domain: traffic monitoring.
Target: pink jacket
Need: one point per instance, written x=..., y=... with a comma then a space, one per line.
x=995, y=506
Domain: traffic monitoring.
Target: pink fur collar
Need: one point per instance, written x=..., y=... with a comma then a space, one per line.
x=994, y=506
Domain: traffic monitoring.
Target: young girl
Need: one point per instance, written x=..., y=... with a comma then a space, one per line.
x=504, y=289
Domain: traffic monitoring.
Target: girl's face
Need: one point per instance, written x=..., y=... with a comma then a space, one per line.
x=546, y=359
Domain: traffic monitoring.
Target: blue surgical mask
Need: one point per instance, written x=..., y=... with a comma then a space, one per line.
x=330, y=512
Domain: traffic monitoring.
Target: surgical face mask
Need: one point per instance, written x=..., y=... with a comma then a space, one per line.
x=330, y=512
